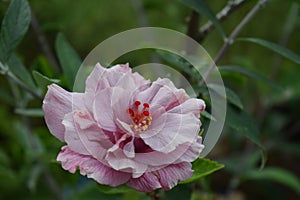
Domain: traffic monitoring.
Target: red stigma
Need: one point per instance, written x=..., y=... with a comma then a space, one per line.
x=137, y=103
x=146, y=105
x=139, y=114
x=146, y=113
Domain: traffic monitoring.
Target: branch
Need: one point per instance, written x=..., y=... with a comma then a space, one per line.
x=233, y=35
x=25, y=87
x=192, y=29
x=5, y=71
x=231, y=6
x=193, y=25
x=42, y=40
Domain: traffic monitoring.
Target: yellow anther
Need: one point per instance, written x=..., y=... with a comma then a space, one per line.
x=145, y=127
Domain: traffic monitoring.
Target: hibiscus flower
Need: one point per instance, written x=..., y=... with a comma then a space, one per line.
x=126, y=130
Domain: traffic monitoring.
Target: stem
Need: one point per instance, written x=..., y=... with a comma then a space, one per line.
x=233, y=35
x=222, y=15
x=42, y=40
x=192, y=29
x=193, y=24
x=154, y=195
x=25, y=87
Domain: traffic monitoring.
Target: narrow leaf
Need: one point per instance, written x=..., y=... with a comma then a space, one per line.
x=207, y=115
x=14, y=26
x=201, y=7
x=231, y=96
x=243, y=124
x=42, y=80
x=68, y=58
x=274, y=47
x=250, y=74
x=275, y=174
x=33, y=112
x=203, y=167
x=18, y=69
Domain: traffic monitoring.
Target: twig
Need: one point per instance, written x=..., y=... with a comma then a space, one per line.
x=25, y=87
x=233, y=35
x=222, y=15
x=42, y=40
x=193, y=24
x=192, y=29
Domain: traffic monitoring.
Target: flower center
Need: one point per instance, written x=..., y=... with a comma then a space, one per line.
x=140, y=116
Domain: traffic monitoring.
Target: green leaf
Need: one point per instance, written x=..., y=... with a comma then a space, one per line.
x=179, y=63
x=250, y=74
x=114, y=190
x=201, y=7
x=243, y=124
x=33, y=112
x=43, y=81
x=14, y=26
x=275, y=174
x=18, y=69
x=203, y=167
x=207, y=115
x=274, y=47
x=68, y=58
x=231, y=96
x=34, y=174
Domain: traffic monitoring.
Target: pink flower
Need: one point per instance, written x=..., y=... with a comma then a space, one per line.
x=125, y=130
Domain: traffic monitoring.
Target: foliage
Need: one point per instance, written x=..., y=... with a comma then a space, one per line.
x=262, y=91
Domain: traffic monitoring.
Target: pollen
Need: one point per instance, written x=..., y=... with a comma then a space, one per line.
x=140, y=116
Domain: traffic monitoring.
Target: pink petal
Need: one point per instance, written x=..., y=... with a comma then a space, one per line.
x=170, y=176
x=163, y=92
x=146, y=183
x=187, y=152
x=103, y=111
x=190, y=106
x=93, y=79
x=92, y=137
x=57, y=103
x=170, y=130
x=118, y=160
x=72, y=137
x=165, y=178
x=91, y=167
x=111, y=104
x=192, y=152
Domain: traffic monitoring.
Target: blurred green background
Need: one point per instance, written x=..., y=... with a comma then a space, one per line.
x=269, y=91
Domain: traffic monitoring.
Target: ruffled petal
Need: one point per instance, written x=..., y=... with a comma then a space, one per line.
x=103, y=111
x=187, y=152
x=91, y=84
x=91, y=167
x=57, y=103
x=165, y=178
x=163, y=92
x=192, y=152
x=71, y=135
x=170, y=130
x=170, y=176
x=92, y=137
x=192, y=105
x=146, y=183
x=120, y=159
